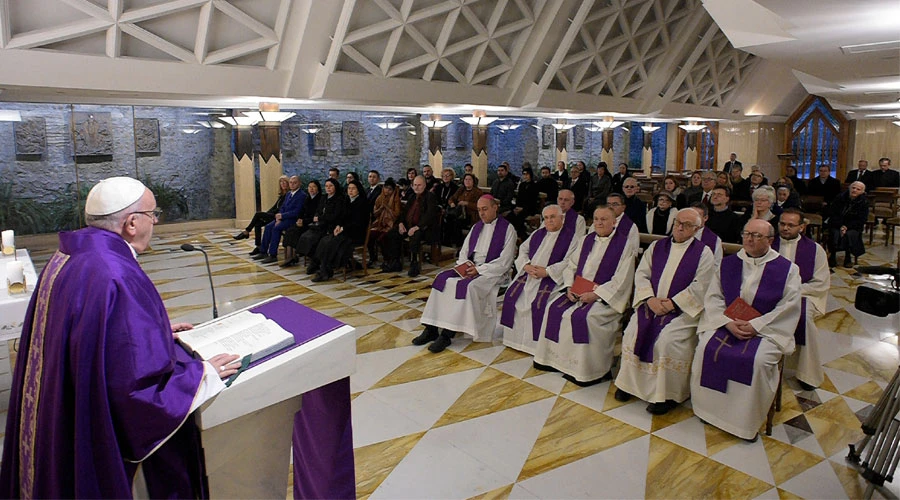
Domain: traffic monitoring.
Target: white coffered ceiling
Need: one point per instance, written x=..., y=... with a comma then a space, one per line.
x=653, y=58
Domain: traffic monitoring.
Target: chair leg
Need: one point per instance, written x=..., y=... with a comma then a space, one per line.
x=776, y=403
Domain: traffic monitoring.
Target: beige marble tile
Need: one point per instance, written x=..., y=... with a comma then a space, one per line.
x=491, y=392
x=787, y=495
x=833, y=437
x=828, y=385
x=837, y=411
x=239, y=269
x=787, y=461
x=676, y=472
x=610, y=402
x=678, y=414
x=508, y=354
x=718, y=440
x=427, y=365
x=321, y=302
x=352, y=317
x=573, y=432
x=384, y=337
x=390, y=307
x=497, y=494
x=375, y=299
x=376, y=461
x=854, y=485
x=410, y=314
x=177, y=311
x=840, y=321
x=175, y=293
x=869, y=392
x=475, y=346
x=257, y=279
x=286, y=289
x=877, y=361
x=569, y=387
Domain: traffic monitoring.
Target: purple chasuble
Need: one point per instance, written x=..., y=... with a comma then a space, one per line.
x=508, y=315
x=494, y=250
x=100, y=383
x=805, y=258
x=710, y=239
x=608, y=264
x=726, y=357
x=649, y=325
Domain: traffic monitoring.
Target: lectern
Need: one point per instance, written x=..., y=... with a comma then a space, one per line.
x=246, y=429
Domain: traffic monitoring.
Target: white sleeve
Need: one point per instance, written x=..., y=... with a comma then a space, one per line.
x=210, y=385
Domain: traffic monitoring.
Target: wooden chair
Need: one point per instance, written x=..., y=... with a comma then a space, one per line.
x=814, y=227
x=812, y=203
x=364, y=248
x=776, y=403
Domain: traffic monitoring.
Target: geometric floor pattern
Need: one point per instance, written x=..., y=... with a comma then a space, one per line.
x=477, y=421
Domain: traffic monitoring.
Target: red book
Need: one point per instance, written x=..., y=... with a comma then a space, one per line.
x=740, y=309
x=463, y=268
x=582, y=285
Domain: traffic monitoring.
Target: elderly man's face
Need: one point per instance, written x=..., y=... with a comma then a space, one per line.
x=630, y=187
x=487, y=210
x=604, y=221
x=756, y=178
x=755, y=237
x=565, y=199
x=862, y=165
x=685, y=226
x=884, y=164
x=553, y=219
x=139, y=224
x=373, y=179
x=782, y=194
x=294, y=183
x=418, y=185
x=790, y=226
x=856, y=189
x=709, y=182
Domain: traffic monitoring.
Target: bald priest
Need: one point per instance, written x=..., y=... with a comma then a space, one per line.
x=101, y=394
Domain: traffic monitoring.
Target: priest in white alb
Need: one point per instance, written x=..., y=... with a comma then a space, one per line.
x=467, y=302
x=669, y=289
x=541, y=263
x=624, y=224
x=815, y=277
x=572, y=219
x=735, y=371
x=580, y=329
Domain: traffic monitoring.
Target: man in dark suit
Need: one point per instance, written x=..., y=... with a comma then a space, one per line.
x=799, y=184
x=722, y=220
x=561, y=175
x=731, y=163
x=861, y=174
x=707, y=183
x=373, y=190
x=824, y=185
x=740, y=187
x=885, y=177
x=420, y=215
x=635, y=208
x=286, y=217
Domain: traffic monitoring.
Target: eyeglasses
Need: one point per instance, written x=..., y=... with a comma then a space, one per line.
x=629, y=187
x=154, y=214
x=753, y=236
x=788, y=225
x=614, y=204
x=686, y=225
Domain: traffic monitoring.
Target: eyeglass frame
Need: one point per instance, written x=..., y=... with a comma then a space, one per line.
x=154, y=214
x=754, y=236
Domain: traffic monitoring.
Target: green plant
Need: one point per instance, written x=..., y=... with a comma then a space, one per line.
x=172, y=201
x=23, y=215
x=67, y=209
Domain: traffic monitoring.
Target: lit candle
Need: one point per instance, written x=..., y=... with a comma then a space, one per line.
x=15, y=276
x=9, y=242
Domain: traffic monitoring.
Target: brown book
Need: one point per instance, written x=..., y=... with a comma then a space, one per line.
x=740, y=309
x=463, y=268
x=582, y=285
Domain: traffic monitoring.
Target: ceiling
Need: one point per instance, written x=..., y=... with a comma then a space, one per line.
x=652, y=59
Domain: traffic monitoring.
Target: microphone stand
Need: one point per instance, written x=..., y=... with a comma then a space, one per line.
x=187, y=247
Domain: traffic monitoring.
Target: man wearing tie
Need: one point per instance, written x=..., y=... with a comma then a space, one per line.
x=861, y=174
x=286, y=217
x=707, y=183
x=731, y=163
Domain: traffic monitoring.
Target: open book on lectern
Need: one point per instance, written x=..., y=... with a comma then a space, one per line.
x=258, y=331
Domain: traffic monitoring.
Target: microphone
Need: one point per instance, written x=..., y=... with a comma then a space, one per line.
x=187, y=247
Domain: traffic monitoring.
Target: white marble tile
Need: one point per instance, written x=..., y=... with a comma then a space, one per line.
x=769, y=495
x=835, y=345
x=373, y=366
x=811, y=444
x=425, y=401
x=619, y=472
x=594, y=397
x=819, y=481
x=844, y=381
x=517, y=367
x=855, y=404
x=749, y=458
x=501, y=440
x=375, y=421
x=520, y=493
x=633, y=413
x=688, y=434
x=485, y=356
x=552, y=382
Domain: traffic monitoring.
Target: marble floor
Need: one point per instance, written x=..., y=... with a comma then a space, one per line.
x=477, y=421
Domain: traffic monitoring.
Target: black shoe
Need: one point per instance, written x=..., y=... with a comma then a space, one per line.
x=320, y=277
x=260, y=256
x=269, y=259
x=622, y=396
x=243, y=235
x=848, y=264
x=754, y=439
x=589, y=383
x=543, y=368
x=312, y=268
x=256, y=251
x=805, y=386
x=426, y=336
x=832, y=261
x=449, y=333
x=413, y=270
x=290, y=262
x=661, y=408
x=439, y=344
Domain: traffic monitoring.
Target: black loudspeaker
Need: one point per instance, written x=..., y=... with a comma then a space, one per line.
x=877, y=301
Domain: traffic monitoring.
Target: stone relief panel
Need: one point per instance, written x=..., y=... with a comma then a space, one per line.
x=350, y=136
x=93, y=134
x=146, y=135
x=31, y=137
x=547, y=136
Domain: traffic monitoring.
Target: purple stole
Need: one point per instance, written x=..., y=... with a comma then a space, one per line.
x=508, y=315
x=710, y=239
x=497, y=242
x=608, y=264
x=805, y=258
x=571, y=221
x=649, y=326
x=737, y=355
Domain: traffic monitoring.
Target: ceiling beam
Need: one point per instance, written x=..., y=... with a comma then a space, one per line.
x=158, y=42
x=201, y=41
x=55, y=34
x=158, y=10
x=340, y=33
x=575, y=24
x=238, y=50
x=113, y=42
x=89, y=8
x=688, y=64
x=284, y=8
x=5, y=28
x=247, y=20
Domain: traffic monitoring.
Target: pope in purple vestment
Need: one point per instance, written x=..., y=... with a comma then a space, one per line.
x=100, y=389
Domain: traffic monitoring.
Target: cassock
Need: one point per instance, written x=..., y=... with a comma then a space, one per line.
x=712, y=241
x=657, y=350
x=578, y=339
x=526, y=298
x=733, y=382
x=815, y=277
x=470, y=305
x=101, y=392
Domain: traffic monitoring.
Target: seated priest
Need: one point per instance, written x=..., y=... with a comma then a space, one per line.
x=101, y=396
x=541, y=262
x=706, y=235
x=565, y=198
x=669, y=288
x=464, y=298
x=616, y=202
x=815, y=280
x=581, y=326
x=752, y=309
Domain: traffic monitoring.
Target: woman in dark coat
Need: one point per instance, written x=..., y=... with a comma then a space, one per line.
x=335, y=209
x=619, y=178
x=291, y=238
x=336, y=248
x=848, y=214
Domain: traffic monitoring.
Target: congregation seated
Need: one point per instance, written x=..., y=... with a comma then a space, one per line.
x=540, y=263
x=579, y=331
x=291, y=238
x=825, y=187
x=815, y=280
x=635, y=208
x=669, y=289
x=336, y=247
x=706, y=235
x=418, y=217
x=285, y=218
x=661, y=217
x=331, y=212
x=385, y=217
x=693, y=186
x=616, y=202
x=466, y=303
x=599, y=188
x=670, y=184
x=547, y=185
x=260, y=219
x=463, y=210
x=847, y=216
x=735, y=370
x=763, y=199
x=722, y=219
x=707, y=183
x=525, y=202
x=785, y=196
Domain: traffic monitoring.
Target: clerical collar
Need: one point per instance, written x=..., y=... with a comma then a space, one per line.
x=792, y=241
x=491, y=223
x=133, y=251
x=683, y=243
x=756, y=261
x=604, y=238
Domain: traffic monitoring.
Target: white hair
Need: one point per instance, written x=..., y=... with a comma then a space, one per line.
x=766, y=191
